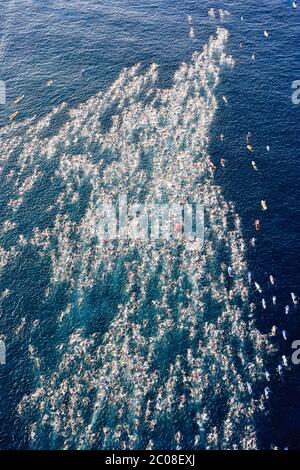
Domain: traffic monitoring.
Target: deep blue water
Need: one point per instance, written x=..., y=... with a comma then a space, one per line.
x=57, y=40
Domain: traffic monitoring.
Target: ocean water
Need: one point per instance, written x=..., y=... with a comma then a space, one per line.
x=134, y=345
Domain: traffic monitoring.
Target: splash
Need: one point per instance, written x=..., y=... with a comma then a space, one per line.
x=153, y=348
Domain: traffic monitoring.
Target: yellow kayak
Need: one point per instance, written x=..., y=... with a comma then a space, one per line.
x=264, y=205
x=13, y=115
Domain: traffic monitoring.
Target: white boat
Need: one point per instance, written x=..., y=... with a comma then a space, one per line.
x=294, y=298
x=264, y=304
x=284, y=360
x=286, y=309
x=284, y=334
x=230, y=271
x=264, y=205
x=279, y=369
x=225, y=99
x=258, y=288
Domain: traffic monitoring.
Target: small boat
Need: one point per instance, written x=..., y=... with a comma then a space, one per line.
x=286, y=309
x=230, y=271
x=268, y=377
x=254, y=165
x=258, y=288
x=257, y=225
x=294, y=298
x=19, y=99
x=225, y=99
x=272, y=280
x=249, y=277
x=253, y=57
x=192, y=33
x=222, y=162
x=13, y=116
x=266, y=34
x=264, y=205
x=268, y=148
x=284, y=334
x=279, y=369
x=249, y=388
x=274, y=299
x=284, y=360
x=264, y=304
x=273, y=330
x=248, y=137
x=294, y=4
x=253, y=241
x=50, y=82
x=267, y=393
x=250, y=148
